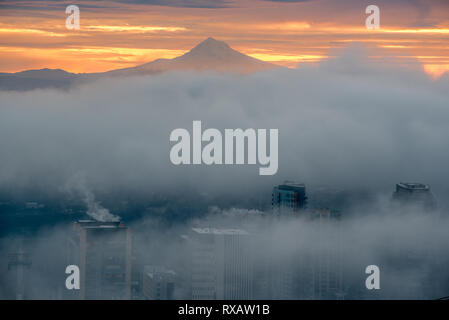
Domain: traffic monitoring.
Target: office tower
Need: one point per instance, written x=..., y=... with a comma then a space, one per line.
x=137, y=268
x=18, y=262
x=288, y=278
x=327, y=255
x=415, y=194
x=289, y=198
x=415, y=197
x=102, y=251
x=221, y=266
x=314, y=270
x=136, y=278
x=158, y=283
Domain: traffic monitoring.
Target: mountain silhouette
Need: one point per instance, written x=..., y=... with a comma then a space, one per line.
x=208, y=55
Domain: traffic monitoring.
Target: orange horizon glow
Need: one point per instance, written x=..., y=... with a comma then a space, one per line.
x=285, y=34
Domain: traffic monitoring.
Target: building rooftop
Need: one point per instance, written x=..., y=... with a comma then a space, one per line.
x=413, y=186
x=220, y=231
x=94, y=224
x=293, y=184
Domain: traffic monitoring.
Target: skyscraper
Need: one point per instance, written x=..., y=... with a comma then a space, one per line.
x=289, y=198
x=158, y=283
x=102, y=251
x=314, y=270
x=17, y=264
x=327, y=256
x=221, y=266
x=416, y=194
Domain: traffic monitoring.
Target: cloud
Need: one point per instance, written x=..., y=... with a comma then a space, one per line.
x=347, y=123
x=215, y=4
x=289, y=0
x=76, y=186
x=410, y=249
x=54, y=5
x=51, y=5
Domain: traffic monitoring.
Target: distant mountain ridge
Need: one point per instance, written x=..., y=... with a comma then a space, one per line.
x=35, y=79
x=210, y=54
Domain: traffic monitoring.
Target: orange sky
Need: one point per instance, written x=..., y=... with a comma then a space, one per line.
x=124, y=33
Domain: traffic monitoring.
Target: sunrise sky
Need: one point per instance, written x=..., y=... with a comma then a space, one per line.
x=125, y=33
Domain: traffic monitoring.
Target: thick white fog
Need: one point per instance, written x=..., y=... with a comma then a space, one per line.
x=347, y=123
x=350, y=122
x=410, y=248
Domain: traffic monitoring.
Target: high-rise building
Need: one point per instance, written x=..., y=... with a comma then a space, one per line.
x=102, y=251
x=18, y=264
x=416, y=194
x=137, y=268
x=327, y=256
x=221, y=266
x=158, y=283
x=314, y=270
x=289, y=198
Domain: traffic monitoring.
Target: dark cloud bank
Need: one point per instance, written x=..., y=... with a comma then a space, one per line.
x=347, y=124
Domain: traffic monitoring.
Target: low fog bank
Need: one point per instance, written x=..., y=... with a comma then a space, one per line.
x=347, y=123
x=410, y=247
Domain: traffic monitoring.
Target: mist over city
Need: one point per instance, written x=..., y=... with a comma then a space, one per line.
x=350, y=130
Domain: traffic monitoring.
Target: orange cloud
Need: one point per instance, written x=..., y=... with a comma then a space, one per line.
x=123, y=35
x=134, y=28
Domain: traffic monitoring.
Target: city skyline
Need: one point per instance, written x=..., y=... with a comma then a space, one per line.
x=224, y=149
x=211, y=258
